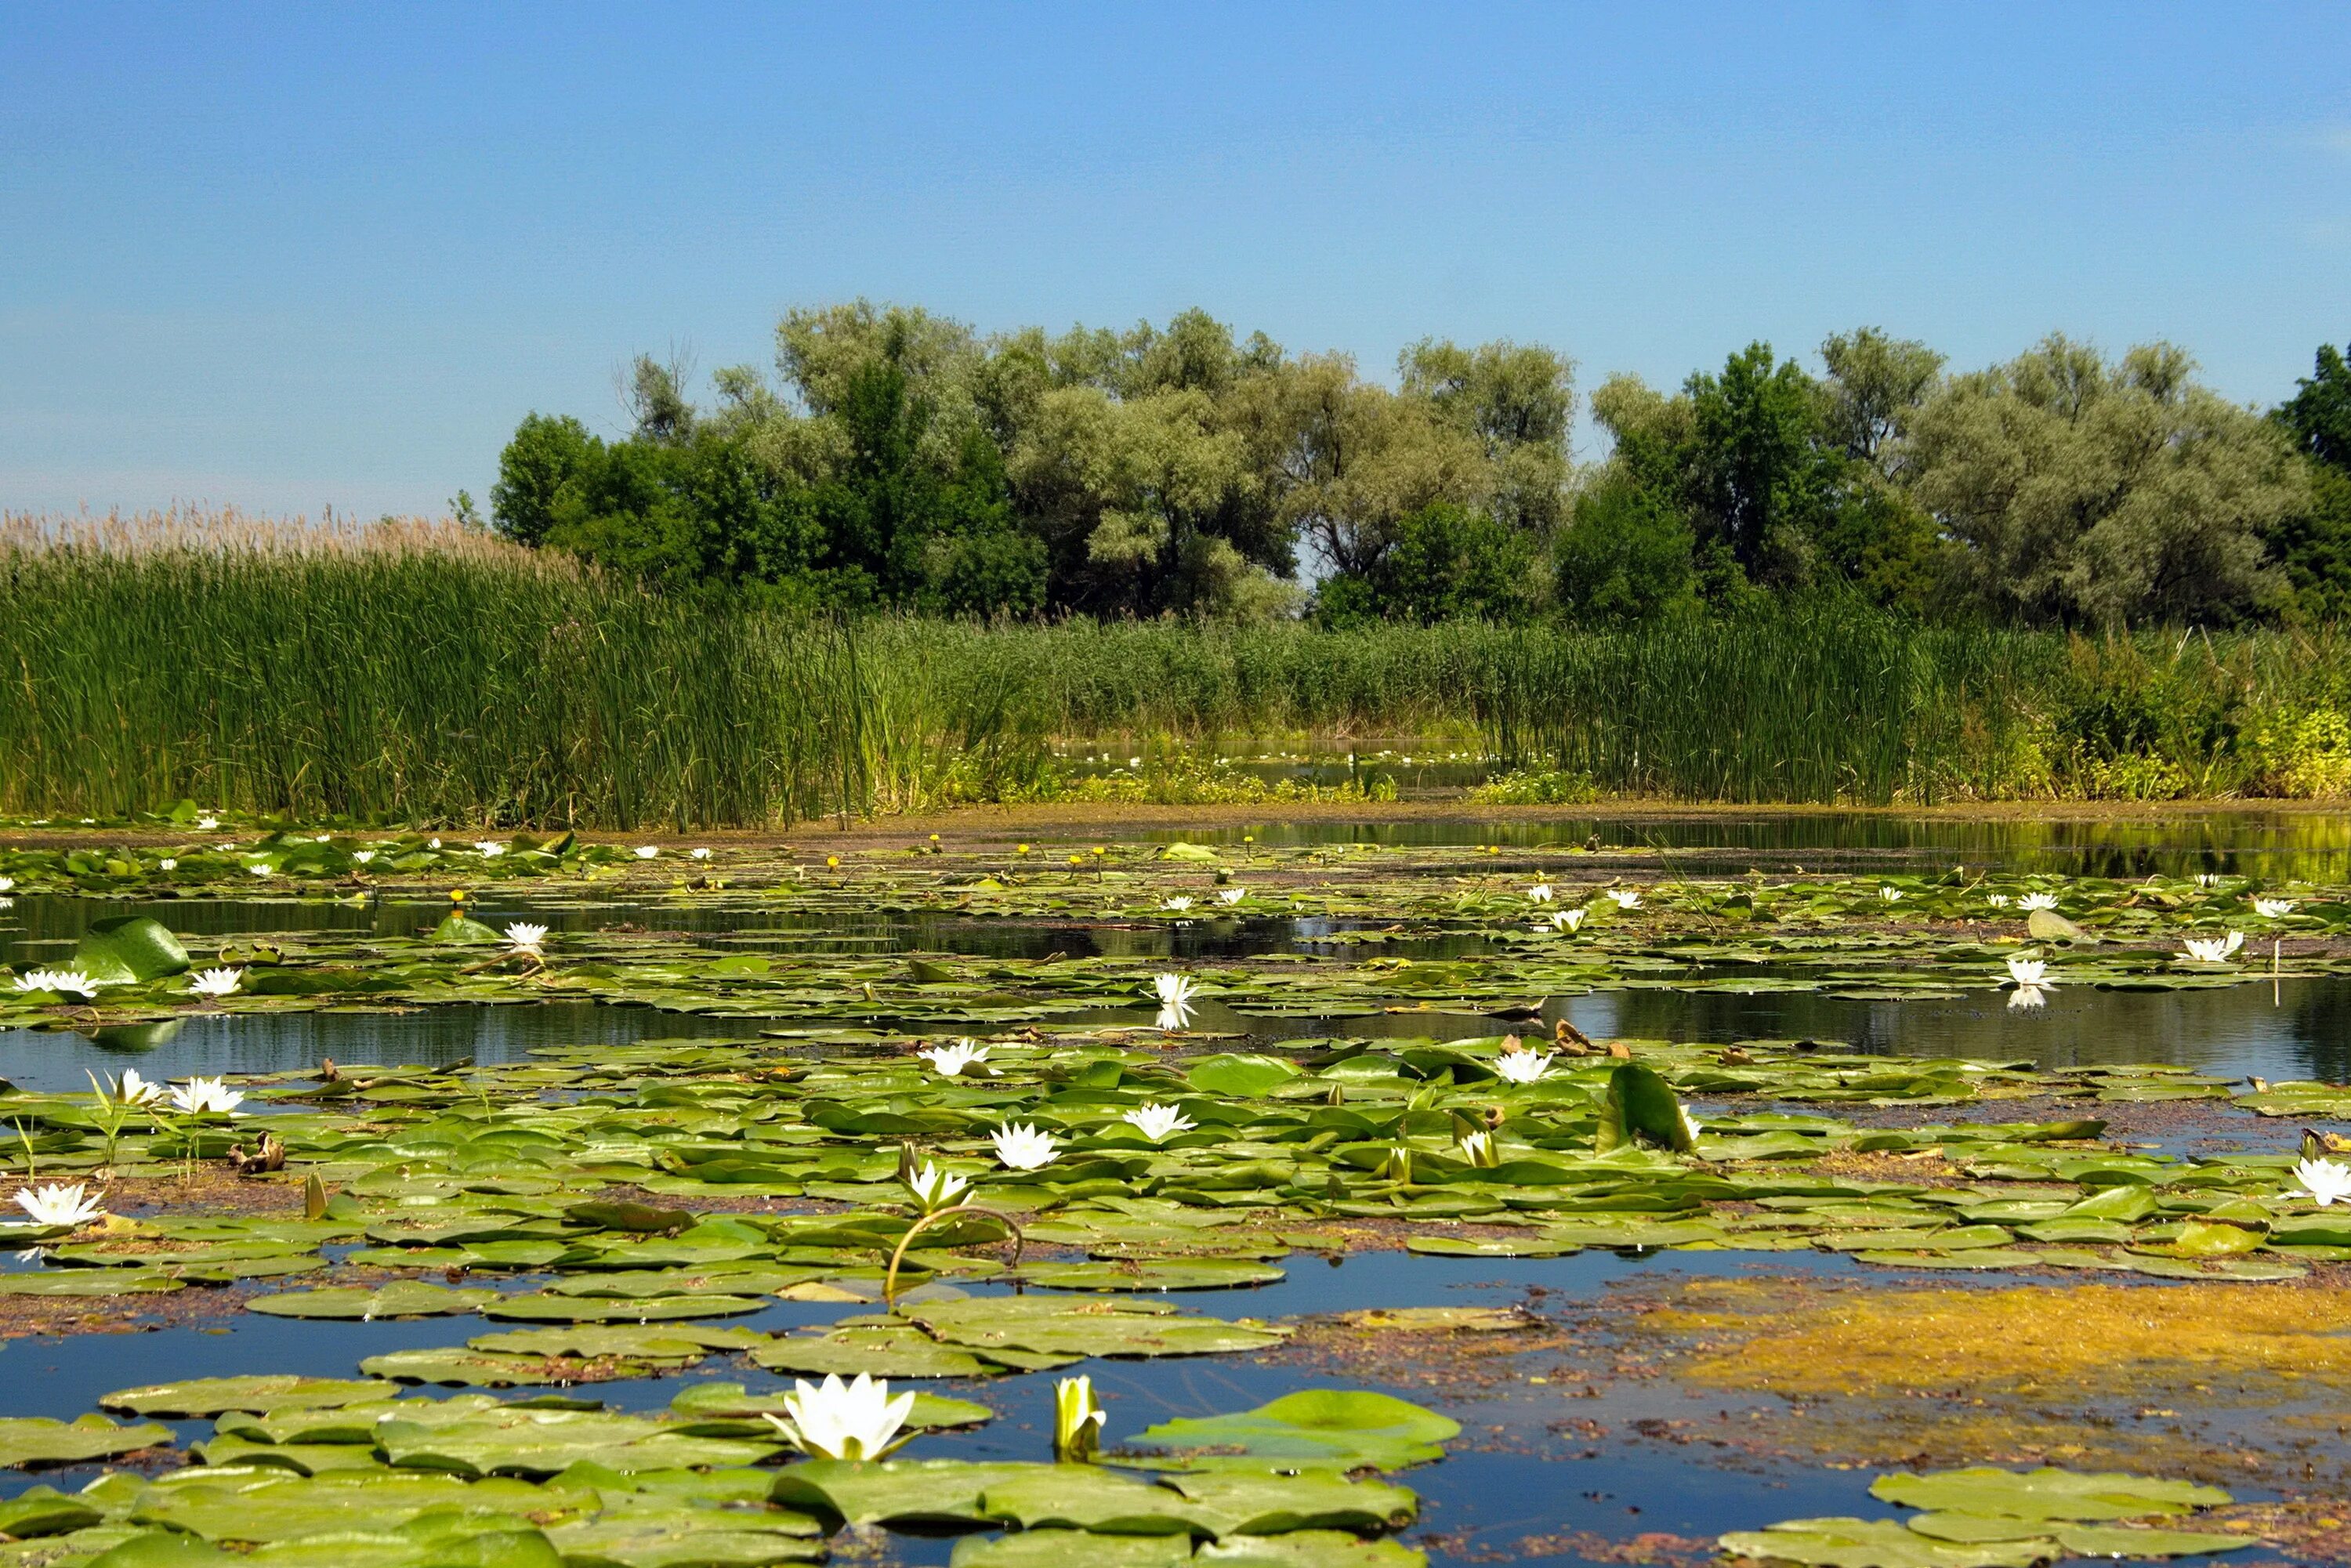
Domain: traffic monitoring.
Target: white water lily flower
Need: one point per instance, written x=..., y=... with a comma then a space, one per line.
x=844, y=1421
x=206, y=1097
x=133, y=1090
x=166, y=864
x=434, y=844
x=1176, y=904
x=1231, y=894
x=1523, y=1066
x=60, y=1205
x=935, y=1189
x=1627, y=898
x=2273, y=908
x=2212, y=949
x=1175, y=1005
x=364, y=856
x=489, y=849
x=648, y=852
x=2325, y=1181
x=1997, y=900
x=216, y=982
x=2030, y=971
x=1022, y=1147
x=1475, y=1147
x=1077, y=1421
x=258, y=868
x=1541, y=893
x=1690, y=1126
x=8, y=884
x=527, y=936
x=2208, y=879
x=2025, y=997
x=1890, y=895
x=207, y=825
x=949, y=1060
x=65, y=982
x=2033, y=900
x=1158, y=1122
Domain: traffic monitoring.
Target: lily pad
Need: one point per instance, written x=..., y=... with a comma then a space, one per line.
x=39, y=1440
x=2045, y=1494
x=1343, y=1429
x=217, y=1395
x=128, y=949
x=1109, y=1326
x=400, y=1298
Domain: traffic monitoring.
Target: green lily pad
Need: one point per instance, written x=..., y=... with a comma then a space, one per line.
x=548, y=1307
x=43, y=1511
x=39, y=1440
x=128, y=949
x=680, y=1538
x=1112, y=1326
x=400, y=1298
x=1071, y=1549
x=1240, y=1077
x=885, y=1352
x=2045, y=1494
x=1340, y=1428
x=1878, y=1543
x=517, y=1441
x=1173, y=1275
x=217, y=1395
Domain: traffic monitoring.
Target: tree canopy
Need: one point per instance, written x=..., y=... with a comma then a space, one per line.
x=892, y=457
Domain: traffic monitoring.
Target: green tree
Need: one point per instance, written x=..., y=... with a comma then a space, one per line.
x=1625, y=557
x=2086, y=491
x=1445, y=563
x=548, y=457
x=2313, y=544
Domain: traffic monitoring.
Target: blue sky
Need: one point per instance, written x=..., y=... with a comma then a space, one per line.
x=287, y=256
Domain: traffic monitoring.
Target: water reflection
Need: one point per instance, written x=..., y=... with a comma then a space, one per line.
x=2277, y=844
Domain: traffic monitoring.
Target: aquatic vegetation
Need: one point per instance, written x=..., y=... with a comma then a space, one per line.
x=2324, y=1181
x=1985, y=1517
x=835, y=1420
x=949, y=1060
x=205, y=1097
x=1022, y=1147
x=1158, y=1122
x=60, y=1205
x=2212, y=949
x=217, y=983
x=1077, y=1421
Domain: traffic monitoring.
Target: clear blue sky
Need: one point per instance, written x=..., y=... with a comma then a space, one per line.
x=291, y=256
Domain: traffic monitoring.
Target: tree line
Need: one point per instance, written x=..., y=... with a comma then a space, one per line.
x=897, y=458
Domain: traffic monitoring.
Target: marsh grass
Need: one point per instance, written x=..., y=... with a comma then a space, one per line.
x=420, y=671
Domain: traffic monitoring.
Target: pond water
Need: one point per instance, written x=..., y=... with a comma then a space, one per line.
x=1503, y=1481
x=2279, y=844
x=1521, y=1482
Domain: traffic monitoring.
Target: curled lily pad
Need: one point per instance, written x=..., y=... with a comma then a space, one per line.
x=129, y=950
x=39, y=1440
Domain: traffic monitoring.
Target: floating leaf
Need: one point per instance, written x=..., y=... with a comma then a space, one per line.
x=128, y=949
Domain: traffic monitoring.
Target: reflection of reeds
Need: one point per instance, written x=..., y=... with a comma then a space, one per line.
x=423, y=671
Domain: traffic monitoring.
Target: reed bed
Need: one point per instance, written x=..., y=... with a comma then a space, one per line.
x=423, y=672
